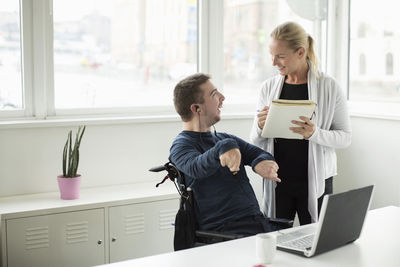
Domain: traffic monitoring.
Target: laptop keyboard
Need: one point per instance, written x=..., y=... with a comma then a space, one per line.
x=300, y=243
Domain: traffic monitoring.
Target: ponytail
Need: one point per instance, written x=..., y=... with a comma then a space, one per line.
x=311, y=56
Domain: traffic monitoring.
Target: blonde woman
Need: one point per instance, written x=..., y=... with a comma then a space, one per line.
x=306, y=167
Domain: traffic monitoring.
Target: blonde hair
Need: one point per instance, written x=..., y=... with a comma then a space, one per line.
x=296, y=37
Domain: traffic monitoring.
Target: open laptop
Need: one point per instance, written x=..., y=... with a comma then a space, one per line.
x=341, y=219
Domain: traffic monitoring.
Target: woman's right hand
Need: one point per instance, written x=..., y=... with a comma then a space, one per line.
x=262, y=116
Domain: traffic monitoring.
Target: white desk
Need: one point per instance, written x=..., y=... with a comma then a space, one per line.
x=379, y=245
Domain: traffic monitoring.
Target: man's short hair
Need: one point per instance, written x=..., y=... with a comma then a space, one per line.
x=188, y=92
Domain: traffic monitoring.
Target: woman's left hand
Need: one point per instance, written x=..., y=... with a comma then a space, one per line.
x=306, y=127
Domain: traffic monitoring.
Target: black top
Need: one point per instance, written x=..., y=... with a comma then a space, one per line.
x=292, y=154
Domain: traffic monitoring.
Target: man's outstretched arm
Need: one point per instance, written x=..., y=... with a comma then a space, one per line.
x=268, y=169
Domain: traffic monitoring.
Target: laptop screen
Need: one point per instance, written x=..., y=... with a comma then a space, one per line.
x=344, y=217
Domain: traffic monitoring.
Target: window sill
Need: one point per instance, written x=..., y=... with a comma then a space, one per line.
x=374, y=116
x=73, y=121
x=109, y=120
x=375, y=110
x=372, y=110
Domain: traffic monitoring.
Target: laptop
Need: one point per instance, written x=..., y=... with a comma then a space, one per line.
x=340, y=222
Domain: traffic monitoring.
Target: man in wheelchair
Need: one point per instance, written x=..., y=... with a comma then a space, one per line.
x=213, y=163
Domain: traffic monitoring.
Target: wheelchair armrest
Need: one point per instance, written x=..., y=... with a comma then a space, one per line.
x=286, y=223
x=209, y=237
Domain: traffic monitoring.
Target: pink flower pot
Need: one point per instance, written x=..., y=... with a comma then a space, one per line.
x=69, y=187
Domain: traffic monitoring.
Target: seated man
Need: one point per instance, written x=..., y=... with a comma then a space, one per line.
x=213, y=164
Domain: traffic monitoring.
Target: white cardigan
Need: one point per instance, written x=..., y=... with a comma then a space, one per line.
x=332, y=131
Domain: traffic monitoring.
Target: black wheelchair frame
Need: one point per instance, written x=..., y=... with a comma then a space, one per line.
x=186, y=233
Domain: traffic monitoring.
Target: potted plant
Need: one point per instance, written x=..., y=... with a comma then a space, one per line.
x=69, y=182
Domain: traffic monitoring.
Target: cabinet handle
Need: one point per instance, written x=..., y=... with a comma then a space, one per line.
x=113, y=239
x=99, y=242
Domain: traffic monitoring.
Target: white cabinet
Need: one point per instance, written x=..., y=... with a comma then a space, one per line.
x=141, y=230
x=105, y=225
x=65, y=239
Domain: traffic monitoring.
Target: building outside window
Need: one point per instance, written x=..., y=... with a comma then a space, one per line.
x=374, y=72
x=121, y=53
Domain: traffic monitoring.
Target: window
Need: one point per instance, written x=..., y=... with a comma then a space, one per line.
x=374, y=71
x=247, y=25
x=70, y=57
x=122, y=53
x=11, y=93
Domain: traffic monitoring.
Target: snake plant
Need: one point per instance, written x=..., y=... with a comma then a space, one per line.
x=71, y=153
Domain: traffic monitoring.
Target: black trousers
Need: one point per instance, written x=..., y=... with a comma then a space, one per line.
x=293, y=198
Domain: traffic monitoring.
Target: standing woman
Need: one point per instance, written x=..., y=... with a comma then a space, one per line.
x=306, y=167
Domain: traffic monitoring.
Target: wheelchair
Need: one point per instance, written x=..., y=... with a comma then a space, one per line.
x=187, y=234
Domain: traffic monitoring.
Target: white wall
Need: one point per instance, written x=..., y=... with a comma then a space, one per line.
x=30, y=158
x=372, y=158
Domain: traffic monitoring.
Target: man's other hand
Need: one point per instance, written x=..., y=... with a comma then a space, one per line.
x=268, y=169
x=231, y=159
